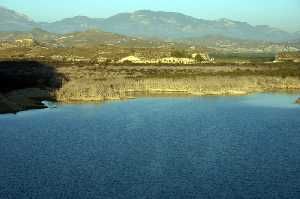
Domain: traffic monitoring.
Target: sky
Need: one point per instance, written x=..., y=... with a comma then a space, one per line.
x=284, y=14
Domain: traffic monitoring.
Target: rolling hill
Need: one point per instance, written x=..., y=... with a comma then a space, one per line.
x=94, y=37
x=36, y=34
x=75, y=24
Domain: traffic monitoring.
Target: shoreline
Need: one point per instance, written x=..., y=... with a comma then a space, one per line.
x=11, y=105
x=24, y=84
x=24, y=99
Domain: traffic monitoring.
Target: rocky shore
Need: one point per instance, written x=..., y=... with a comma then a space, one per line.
x=25, y=99
x=24, y=84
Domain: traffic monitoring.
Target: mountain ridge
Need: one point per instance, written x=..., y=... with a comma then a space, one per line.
x=150, y=24
x=10, y=19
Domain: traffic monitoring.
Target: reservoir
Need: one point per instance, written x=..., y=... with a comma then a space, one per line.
x=154, y=147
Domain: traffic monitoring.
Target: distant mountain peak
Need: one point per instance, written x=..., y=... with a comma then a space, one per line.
x=6, y=13
x=11, y=20
x=150, y=24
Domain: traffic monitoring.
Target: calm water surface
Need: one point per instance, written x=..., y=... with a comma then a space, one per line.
x=197, y=147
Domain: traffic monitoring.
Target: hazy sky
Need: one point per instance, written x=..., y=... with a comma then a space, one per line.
x=284, y=14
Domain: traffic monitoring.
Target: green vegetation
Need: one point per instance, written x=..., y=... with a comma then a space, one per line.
x=180, y=54
x=199, y=58
x=244, y=57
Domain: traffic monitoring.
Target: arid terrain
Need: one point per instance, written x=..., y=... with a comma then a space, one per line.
x=24, y=84
x=82, y=59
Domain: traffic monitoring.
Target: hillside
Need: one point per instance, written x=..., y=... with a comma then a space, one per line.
x=13, y=21
x=232, y=45
x=172, y=25
x=98, y=37
x=75, y=24
x=88, y=38
x=36, y=34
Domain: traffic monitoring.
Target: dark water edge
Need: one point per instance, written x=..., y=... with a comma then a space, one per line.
x=163, y=147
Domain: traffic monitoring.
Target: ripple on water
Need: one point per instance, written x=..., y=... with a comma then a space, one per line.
x=194, y=147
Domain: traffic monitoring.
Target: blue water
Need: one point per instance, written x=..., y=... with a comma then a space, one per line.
x=196, y=147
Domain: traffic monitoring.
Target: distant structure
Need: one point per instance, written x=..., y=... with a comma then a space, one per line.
x=57, y=58
x=202, y=57
x=288, y=57
x=24, y=42
x=6, y=44
x=196, y=58
x=102, y=60
x=132, y=59
x=77, y=59
x=175, y=60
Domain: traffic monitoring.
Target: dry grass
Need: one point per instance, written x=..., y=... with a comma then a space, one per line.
x=90, y=82
x=90, y=90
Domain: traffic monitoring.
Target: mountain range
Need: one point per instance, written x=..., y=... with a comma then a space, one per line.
x=150, y=24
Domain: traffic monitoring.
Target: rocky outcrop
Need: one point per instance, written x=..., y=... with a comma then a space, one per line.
x=6, y=106
x=24, y=84
x=24, y=99
x=298, y=101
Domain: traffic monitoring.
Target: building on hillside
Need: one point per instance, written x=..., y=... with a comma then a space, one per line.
x=138, y=60
x=175, y=60
x=142, y=58
x=6, y=44
x=152, y=53
x=59, y=58
x=132, y=59
x=24, y=42
x=288, y=57
x=77, y=59
x=102, y=59
x=204, y=57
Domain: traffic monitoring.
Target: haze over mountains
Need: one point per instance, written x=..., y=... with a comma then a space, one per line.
x=149, y=24
x=13, y=21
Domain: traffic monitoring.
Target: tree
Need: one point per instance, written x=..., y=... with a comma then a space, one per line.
x=199, y=58
x=178, y=54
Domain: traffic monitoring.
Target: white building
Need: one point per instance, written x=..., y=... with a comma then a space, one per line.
x=132, y=59
x=175, y=60
x=24, y=42
x=167, y=60
x=205, y=57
